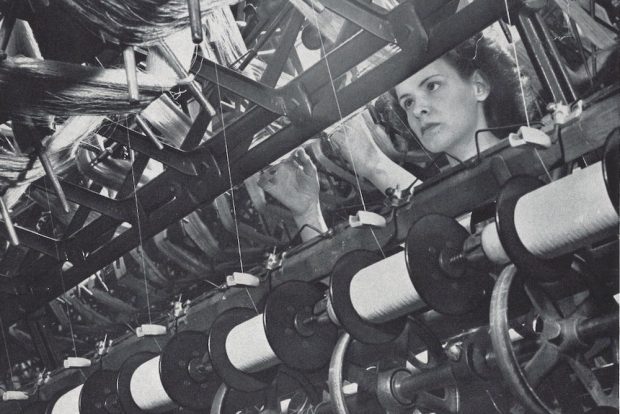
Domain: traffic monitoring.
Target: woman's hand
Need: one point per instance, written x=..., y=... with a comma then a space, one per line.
x=366, y=146
x=294, y=182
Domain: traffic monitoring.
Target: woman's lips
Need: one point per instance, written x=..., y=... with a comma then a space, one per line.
x=428, y=127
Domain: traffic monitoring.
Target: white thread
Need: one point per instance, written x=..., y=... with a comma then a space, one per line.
x=527, y=116
x=247, y=346
x=383, y=291
x=147, y=390
x=232, y=191
x=69, y=403
x=346, y=135
x=567, y=214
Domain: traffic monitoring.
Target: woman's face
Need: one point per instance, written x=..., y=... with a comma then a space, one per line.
x=443, y=109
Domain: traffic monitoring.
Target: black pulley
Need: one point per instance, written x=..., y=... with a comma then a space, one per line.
x=99, y=394
x=295, y=339
x=123, y=381
x=340, y=297
x=185, y=370
x=38, y=407
x=449, y=288
x=528, y=264
x=233, y=377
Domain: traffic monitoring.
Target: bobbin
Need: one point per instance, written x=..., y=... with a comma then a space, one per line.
x=185, y=374
x=340, y=298
x=123, y=381
x=99, y=395
x=542, y=269
x=611, y=161
x=448, y=288
x=297, y=340
x=233, y=377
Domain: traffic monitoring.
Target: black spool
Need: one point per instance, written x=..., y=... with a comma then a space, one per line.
x=456, y=293
x=123, y=381
x=99, y=394
x=185, y=372
x=233, y=377
x=340, y=297
x=303, y=346
x=528, y=264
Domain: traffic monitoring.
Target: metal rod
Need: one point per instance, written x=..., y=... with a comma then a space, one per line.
x=180, y=71
x=8, y=223
x=129, y=58
x=195, y=22
x=148, y=131
x=49, y=171
x=605, y=325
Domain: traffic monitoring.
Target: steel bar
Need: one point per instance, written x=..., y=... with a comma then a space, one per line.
x=364, y=16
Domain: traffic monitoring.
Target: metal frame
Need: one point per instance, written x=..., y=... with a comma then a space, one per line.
x=424, y=29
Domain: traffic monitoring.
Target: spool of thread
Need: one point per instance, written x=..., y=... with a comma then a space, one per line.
x=168, y=119
x=492, y=245
x=147, y=390
x=247, y=347
x=383, y=291
x=69, y=403
x=567, y=214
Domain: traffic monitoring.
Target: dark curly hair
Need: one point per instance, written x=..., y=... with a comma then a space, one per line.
x=504, y=105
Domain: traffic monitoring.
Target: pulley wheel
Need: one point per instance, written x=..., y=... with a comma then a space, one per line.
x=99, y=395
x=450, y=294
x=185, y=372
x=340, y=297
x=303, y=346
x=558, y=346
x=123, y=381
x=233, y=377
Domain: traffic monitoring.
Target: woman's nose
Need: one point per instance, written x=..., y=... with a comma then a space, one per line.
x=420, y=108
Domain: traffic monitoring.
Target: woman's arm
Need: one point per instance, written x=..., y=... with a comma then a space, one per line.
x=294, y=182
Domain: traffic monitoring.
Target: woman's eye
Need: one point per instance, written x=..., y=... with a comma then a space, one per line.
x=406, y=103
x=432, y=86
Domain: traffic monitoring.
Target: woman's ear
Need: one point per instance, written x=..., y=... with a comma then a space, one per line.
x=482, y=87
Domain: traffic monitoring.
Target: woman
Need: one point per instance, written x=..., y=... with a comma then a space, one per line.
x=473, y=87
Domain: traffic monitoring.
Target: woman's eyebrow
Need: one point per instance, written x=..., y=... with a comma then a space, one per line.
x=427, y=78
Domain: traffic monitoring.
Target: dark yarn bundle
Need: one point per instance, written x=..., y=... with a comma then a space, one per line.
x=136, y=22
x=34, y=89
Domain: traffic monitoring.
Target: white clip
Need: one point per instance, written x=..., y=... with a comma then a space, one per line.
x=367, y=218
x=14, y=396
x=528, y=135
x=150, y=330
x=76, y=362
x=242, y=279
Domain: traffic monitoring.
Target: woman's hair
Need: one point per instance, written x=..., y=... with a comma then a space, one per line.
x=504, y=105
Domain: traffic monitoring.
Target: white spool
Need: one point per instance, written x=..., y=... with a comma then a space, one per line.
x=567, y=214
x=247, y=346
x=147, y=390
x=383, y=291
x=492, y=246
x=68, y=403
